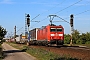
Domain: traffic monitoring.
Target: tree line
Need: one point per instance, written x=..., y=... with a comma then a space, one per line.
x=77, y=38
x=2, y=33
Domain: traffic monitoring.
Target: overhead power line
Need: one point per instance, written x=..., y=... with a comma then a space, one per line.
x=69, y=6
x=82, y=12
x=79, y=13
x=35, y=17
x=48, y=10
x=63, y=19
x=57, y=5
x=19, y=29
x=59, y=11
x=40, y=21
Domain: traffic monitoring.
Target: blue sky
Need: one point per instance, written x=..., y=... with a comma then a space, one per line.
x=12, y=12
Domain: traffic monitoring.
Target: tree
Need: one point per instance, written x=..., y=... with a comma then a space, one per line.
x=83, y=38
x=78, y=38
x=2, y=32
x=88, y=36
x=66, y=38
x=79, y=42
x=75, y=36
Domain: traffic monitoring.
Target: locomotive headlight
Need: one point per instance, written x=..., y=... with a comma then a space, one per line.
x=52, y=34
x=60, y=34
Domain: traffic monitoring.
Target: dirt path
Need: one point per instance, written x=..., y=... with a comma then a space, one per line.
x=15, y=54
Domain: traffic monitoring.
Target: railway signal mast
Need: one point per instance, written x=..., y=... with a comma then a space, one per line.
x=72, y=28
x=27, y=23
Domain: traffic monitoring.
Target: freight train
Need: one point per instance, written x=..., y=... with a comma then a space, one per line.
x=47, y=35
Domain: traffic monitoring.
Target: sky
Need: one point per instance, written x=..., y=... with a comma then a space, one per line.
x=12, y=13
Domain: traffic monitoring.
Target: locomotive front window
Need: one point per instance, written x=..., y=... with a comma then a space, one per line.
x=59, y=29
x=53, y=30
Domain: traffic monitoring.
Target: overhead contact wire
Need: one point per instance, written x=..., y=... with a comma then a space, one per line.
x=46, y=11
x=82, y=12
x=63, y=9
x=69, y=6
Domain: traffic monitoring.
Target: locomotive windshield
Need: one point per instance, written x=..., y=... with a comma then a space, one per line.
x=59, y=29
x=53, y=30
x=56, y=30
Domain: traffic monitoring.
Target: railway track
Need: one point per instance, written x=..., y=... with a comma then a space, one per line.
x=82, y=53
x=67, y=47
x=80, y=48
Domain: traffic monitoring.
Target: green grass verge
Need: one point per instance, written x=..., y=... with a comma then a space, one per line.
x=42, y=54
x=88, y=45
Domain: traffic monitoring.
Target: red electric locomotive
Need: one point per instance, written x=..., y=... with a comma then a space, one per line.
x=50, y=34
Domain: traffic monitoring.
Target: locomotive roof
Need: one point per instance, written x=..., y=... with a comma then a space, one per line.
x=54, y=25
x=34, y=29
x=45, y=26
x=42, y=27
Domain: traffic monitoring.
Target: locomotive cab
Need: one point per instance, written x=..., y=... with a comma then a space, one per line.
x=56, y=35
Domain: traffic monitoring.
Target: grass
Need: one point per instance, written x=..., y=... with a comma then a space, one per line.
x=42, y=54
x=18, y=46
x=88, y=45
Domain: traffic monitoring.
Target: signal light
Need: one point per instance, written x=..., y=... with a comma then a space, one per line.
x=71, y=16
x=28, y=21
x=71, y=20
x=28, y=15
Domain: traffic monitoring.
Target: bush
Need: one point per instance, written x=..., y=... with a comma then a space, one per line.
x=1, y=53
x=88, y=42
x=79, y=42
x=3, y=40
x=67, y=41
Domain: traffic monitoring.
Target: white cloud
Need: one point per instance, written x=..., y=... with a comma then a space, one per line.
x=6, y=2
